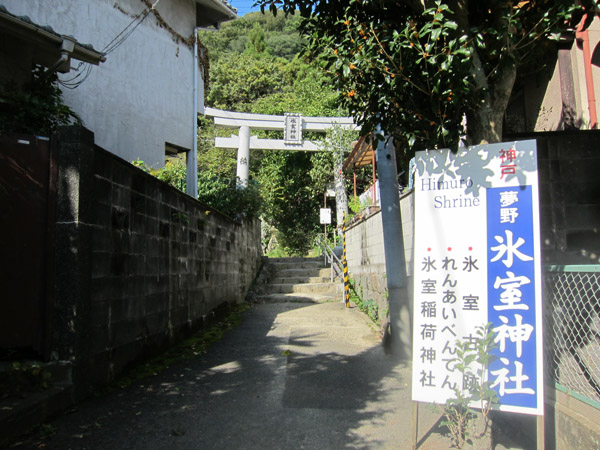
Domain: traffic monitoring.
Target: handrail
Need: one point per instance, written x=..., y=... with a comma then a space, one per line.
x=329, y=257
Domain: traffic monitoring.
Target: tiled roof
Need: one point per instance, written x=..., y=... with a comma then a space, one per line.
x=48, y=29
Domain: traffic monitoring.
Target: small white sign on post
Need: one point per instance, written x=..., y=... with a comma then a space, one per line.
x=477, y=261
x=325, y=216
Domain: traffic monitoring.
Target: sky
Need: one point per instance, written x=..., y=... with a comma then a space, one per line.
x=243, y=6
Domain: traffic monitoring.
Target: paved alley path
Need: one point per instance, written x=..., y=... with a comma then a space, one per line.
x=291, y=376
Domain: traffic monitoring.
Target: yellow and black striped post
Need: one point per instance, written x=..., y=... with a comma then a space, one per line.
x=345, y=265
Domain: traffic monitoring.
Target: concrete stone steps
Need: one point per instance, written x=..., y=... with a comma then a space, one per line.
x=294, y=265
x=298, y=298
x=298, y=280
x=305, y=288
x=296, y=259
x=298, y=272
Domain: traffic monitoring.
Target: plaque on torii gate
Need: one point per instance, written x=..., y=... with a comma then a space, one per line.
x=293, y=126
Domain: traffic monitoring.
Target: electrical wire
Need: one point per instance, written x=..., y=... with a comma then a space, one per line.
x=114, y=44
x=123, y=35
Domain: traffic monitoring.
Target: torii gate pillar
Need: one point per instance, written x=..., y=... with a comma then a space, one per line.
x=243, y=156
x=244, y=142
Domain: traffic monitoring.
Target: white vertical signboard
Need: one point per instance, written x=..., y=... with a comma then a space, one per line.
x=325, y=216
x=292, y=133
x=477, y=260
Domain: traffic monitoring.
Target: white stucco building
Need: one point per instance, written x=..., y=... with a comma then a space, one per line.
x=140, y=102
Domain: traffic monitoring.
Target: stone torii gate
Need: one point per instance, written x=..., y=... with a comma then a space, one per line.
x=293, y=125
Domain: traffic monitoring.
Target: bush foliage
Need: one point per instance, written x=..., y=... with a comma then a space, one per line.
x=221, y=193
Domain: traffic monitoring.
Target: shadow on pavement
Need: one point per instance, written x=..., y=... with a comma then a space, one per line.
x=273, y=382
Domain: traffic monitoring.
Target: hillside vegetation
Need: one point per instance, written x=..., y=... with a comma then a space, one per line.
x=257, y=66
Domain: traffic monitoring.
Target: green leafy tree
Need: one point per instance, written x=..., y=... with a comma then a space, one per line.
x=247, y=80
x=225, y=195
x=290, y=203
x=35, y=107
x=285, y=46
x=214, y=189
x=327, y=165
x=219, y=161
x=239, y=80
x=418, y=67
x=256, y=43
x=281, y=36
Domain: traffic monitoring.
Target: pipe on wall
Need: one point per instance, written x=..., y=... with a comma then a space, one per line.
x=584, y=37
x=192, y=156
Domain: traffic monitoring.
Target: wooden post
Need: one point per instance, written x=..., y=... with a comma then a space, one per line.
x=541, y=436
x=414, y=425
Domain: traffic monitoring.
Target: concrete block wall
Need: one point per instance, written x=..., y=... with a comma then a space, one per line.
x=568, y=168
x=139, y=264
x=366, y=256
x=366, y=260
x=570, y=423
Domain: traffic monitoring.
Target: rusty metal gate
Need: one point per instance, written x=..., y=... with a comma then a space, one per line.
x=27, y=213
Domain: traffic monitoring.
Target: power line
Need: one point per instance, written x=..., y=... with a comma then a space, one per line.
x=115, y=43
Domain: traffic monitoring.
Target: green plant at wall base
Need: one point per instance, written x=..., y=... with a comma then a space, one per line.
x=24, y=376
x=472, y=361
x=190, y=348
x=369, y=307
x=46, y=430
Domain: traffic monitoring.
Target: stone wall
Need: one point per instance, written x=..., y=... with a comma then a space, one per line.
x=570, y=423
x=138, y=263
x=569, y=168
x=366, y=257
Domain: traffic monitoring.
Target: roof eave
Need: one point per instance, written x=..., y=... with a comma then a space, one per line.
x=221, y=13
x=39, y=36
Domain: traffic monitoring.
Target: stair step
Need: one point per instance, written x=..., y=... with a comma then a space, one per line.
x=298, y=272
x=295, y=263
x=308, y=288
x=298, y=298
x=300, y=279
x=294, y=259
x=284, y=265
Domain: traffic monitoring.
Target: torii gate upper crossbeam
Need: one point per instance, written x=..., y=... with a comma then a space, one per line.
x=246, y=121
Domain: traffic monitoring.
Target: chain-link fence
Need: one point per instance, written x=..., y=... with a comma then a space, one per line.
x=572, y=323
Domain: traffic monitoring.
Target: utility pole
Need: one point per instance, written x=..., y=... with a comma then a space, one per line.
x=393, y=243
x=341, y=198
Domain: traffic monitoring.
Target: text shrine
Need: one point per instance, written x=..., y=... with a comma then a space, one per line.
x=477, y=261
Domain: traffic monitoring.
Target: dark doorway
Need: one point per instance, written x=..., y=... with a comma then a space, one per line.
x=27, y=212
